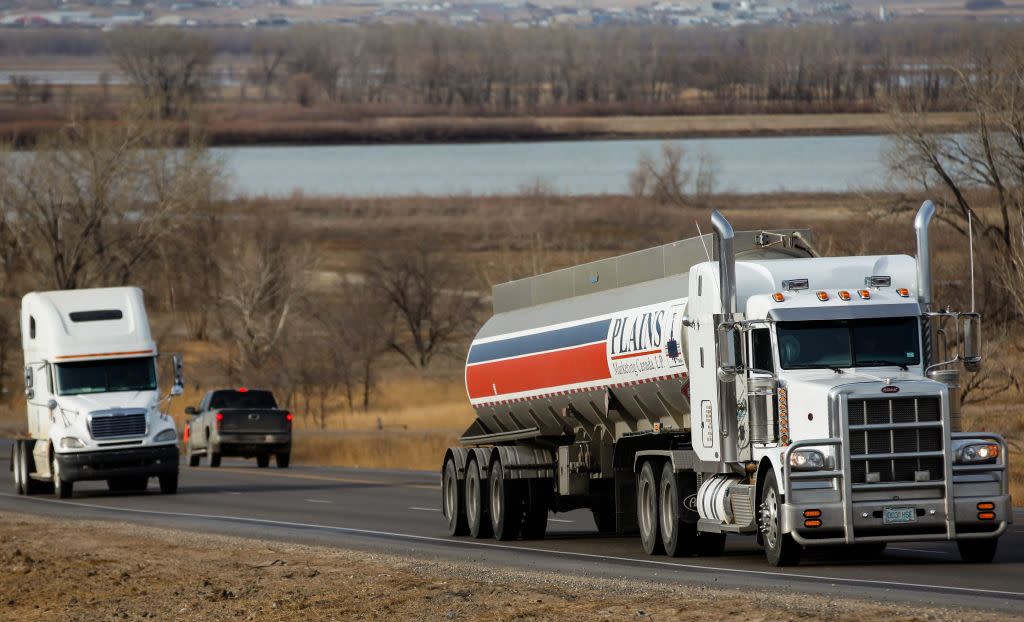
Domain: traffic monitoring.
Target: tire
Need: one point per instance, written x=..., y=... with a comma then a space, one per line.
x=780, y=549
x=453, y=501
x=536, y=502
x=977, y=551
x=283, y=459
x=62, y=488
x=168, y=483
x=678, y=526
x=214, y=458
x=263, y=461
x=647, y=510
x=477, y=516
x=191, y=458
x=506, y=504
x=19, y=470
x=29, y=485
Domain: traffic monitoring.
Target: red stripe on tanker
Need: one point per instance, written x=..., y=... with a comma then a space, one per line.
x=629, y=346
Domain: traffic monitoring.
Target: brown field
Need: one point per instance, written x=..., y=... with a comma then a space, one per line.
x=97, y=574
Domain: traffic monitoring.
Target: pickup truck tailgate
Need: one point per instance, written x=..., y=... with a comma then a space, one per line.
x=254, y=421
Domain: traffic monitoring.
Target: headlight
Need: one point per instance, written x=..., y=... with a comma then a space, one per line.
x=70, y=442
x=167, y=435
x=807, y=460
x=977, y=453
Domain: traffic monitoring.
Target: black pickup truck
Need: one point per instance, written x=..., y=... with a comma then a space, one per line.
x=238, y=422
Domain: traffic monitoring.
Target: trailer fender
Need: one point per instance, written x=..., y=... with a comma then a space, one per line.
x=526, y=462
x=458, y=455
x=681, y=459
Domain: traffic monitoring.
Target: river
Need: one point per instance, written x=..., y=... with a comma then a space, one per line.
x=743, y=165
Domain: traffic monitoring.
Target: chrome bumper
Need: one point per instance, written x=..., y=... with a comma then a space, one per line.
x=951, y=515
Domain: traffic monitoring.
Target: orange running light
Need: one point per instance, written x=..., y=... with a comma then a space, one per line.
x=823, y=296
x=778, y=297
x=865, y=294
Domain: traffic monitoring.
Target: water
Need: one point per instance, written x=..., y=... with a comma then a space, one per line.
x=744, y=165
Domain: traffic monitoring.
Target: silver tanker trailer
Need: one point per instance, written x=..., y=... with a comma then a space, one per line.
x=729, y=383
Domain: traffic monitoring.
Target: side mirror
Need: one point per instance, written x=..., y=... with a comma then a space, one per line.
x=970, y=340
x=672, y=349
x=728, y=353
x=179, y=375
x=29, y=376
x=191, y=410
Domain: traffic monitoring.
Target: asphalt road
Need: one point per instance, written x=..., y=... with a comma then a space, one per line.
x=398, y=512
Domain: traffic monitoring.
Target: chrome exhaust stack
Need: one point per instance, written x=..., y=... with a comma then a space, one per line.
x=924, y=261
x=728, y=340
x=924, y=276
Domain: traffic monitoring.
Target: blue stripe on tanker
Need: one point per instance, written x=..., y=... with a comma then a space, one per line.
x=539, y=342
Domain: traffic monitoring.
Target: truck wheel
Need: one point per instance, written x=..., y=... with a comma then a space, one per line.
x=453, y=502
x=62, y=488
x=168, y=483
x=283, y=459
x=19, y=471
x=263, y=461
x=977, y=551
x=476, y=502
x=647, y=510
x=506, y=504
x=780, y=548
x=535, y=512
x=193, y=459
x=214, y=458
x=28, y=485
x=678, y=534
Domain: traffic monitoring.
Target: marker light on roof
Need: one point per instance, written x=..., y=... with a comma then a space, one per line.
x=865, y=294
x=844, y=295
x=823, y=296
x=903, y=291
x=778, y=297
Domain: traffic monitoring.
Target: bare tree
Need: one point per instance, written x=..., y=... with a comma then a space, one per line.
x=264, y=276
x=432, y=299
x=270, y=51
x=672, y=178
x=168, y=66
x=91, y=202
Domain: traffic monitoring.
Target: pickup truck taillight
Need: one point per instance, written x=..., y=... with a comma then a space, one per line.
x=220, y=417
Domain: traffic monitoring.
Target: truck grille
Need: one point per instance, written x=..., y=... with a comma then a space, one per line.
x=896, y=440
x=118, y=425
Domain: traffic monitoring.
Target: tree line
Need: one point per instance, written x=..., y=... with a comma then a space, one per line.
x=503, y=70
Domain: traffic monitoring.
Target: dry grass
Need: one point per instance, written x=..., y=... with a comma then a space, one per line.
x=387, y=449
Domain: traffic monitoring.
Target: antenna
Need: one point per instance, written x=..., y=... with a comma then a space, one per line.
x=701, y=235
x=970, y=242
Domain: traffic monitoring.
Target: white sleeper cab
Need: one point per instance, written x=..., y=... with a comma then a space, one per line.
x=93, y=400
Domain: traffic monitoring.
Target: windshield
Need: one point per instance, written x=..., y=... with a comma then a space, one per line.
x=849, y=343
x=243, y=399
x=137, y=374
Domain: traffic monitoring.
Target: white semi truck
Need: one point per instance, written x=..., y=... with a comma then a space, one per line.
x=93, y=401
x=730, y=383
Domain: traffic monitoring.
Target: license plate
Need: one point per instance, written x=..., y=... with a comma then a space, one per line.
x=899, y=515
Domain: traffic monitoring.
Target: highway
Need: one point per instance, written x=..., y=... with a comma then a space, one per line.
x=398, y=512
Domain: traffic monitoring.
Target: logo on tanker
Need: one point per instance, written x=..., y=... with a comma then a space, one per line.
x=637, y=334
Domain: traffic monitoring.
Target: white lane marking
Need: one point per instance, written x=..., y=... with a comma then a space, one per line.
x=943, y=553
x=316, y=500
x=494, y=545
x=413, y=507
x=560, y=520
x=233, y=492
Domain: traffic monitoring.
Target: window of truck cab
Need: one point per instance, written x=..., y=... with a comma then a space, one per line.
x=834, y=344
x=106, y=376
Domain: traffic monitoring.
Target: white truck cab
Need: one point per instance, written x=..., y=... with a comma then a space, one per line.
x=93, y=400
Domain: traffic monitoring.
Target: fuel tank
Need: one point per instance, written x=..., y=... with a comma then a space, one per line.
x=599, y=344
